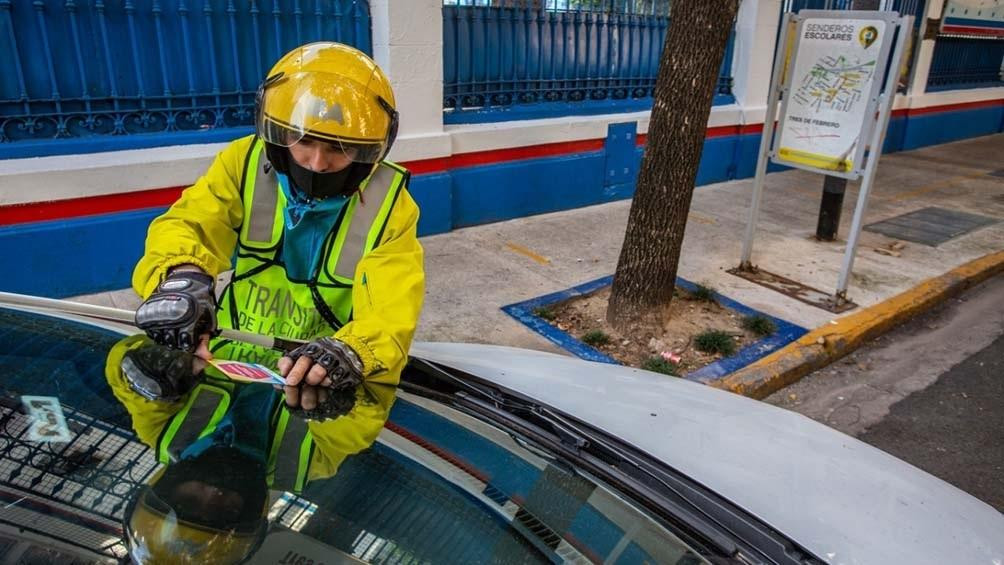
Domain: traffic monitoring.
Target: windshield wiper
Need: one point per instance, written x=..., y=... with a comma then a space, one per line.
x=557, y=435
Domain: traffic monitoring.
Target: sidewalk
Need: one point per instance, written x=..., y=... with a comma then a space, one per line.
x=473, y=272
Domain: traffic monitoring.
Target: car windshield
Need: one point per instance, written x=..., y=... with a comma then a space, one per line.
x=114, y=448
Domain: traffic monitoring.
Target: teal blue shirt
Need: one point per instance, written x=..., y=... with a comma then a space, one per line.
x=308, y=222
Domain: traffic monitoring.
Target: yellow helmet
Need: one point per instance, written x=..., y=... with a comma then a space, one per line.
x=156, y=532
x=332, y=92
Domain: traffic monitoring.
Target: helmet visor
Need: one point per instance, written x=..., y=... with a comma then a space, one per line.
x=327, y=108
x=155, y=533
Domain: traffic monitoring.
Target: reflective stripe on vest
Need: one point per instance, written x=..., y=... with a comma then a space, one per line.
x=291, y=448
x=204, y=408
x=261, y=299
x=264, y=217
x=290, y=455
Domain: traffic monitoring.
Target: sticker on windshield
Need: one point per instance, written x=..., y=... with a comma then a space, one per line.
x=47, y=420
x=247, y=372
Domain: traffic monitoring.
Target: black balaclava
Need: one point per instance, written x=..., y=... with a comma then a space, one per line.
x=317, y=185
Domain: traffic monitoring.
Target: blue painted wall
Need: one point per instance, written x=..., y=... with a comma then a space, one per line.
x=98, y=253
x=932, y=129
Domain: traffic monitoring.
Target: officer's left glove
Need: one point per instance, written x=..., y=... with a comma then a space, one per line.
x=182, y=309
x=319, y=403
x=161, y=374
x=343, y=369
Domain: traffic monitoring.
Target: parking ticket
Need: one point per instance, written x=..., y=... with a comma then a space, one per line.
x=247, y=372
x=47, y=422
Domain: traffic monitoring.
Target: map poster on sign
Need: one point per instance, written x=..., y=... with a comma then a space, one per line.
x=829, y=101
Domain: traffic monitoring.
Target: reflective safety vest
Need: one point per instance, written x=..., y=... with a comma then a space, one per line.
x=290, y=449
x=261, y=298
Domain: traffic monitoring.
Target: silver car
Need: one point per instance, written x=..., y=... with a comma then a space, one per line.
x=482, y=455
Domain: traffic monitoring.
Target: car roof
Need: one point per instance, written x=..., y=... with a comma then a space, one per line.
x=843, y=500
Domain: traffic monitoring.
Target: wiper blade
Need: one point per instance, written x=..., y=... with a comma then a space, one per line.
x=554, y=434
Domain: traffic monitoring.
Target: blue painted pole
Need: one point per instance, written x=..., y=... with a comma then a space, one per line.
x=130, y=11
x=338, y=20
x=318, y=20
x=71, y=9
x=298, y=21
x=207, y=12
x=158, y=26
x=234, y=53
x=5, y=8
x=277, y=27
x=44, y=34
x=256, y=38
x=99, y=6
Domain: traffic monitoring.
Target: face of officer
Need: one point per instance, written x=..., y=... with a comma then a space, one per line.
x=204, y=502
x=320, y=157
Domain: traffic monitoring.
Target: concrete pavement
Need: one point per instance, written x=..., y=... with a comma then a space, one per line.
x=928, y=392
x=472, y=272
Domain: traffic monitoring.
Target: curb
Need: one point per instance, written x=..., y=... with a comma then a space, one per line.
x=524, y=313
x=826, y=344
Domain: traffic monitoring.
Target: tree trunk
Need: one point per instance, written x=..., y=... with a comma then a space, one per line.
x=688, y=73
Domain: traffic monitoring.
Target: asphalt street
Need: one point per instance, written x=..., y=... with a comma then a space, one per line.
x=930, y=392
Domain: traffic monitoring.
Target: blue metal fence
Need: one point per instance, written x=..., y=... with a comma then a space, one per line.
x=100, y=68
x=905, y=7
x=511, y=59
x=963, y=62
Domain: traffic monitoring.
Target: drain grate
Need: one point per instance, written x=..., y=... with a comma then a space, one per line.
x=930, y=226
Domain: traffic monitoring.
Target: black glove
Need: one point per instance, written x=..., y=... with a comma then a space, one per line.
x=181, y=309
x=158, y=373
x=344, y=369
x=327, y=403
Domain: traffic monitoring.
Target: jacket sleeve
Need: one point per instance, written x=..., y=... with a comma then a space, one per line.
x=387, y=297
x=337, y=439
x=201, y=227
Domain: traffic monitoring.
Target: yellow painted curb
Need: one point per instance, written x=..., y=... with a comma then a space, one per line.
x=828, y=343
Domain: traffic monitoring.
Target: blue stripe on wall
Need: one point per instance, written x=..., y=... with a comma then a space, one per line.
x=65, y=258
x=942, y=127
x=98, y=253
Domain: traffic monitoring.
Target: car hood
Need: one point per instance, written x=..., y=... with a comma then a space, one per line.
x=843, y=500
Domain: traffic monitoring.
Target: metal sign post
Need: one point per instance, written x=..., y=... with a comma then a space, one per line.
x=765, y=142
x=878, y=139
x=823, y=126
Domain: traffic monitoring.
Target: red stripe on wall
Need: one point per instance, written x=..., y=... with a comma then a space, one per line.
x=88, y=206
x=718, y=131
x=503, y=155
x=954, y=107
x=92, y=205
x=974, y=30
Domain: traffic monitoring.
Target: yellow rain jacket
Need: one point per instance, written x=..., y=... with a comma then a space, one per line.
x=331, y=441
x=367, y=290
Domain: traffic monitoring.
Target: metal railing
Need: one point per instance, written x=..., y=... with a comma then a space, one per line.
x=86, y=68
x=905, y=7
x=965, y=62
x=504, y=59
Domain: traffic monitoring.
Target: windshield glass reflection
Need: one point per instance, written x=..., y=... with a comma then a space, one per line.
x=113, y=449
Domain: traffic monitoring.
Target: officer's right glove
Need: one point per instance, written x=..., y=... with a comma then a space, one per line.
x=342, y=366
x=161, y=374
x=319, y=403
x=182, y=309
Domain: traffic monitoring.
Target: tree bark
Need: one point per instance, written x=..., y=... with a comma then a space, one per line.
x=688, y=72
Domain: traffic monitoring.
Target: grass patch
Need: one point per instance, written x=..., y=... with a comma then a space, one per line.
x=545, y=312
x=595, y=338
x=715, y=341
x=703, y=293
x=760, y=325
x=660, y=365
